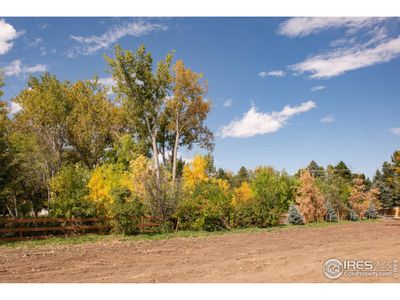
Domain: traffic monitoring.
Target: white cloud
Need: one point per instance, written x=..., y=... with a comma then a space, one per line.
x=328, y=119
x=7, y=35
x=299, y=27
x=274, y=73
x=339, y=61
x=254, y=122
x=14, y=108
x=108, y=82
x=318, y=88
x=228, y=103
x=395, y=131
x=16, y=68
x=94, y=43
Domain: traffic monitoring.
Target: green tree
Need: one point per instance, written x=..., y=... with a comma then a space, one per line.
x=342, y=170
x=242, y=176
x=91, y=121
x=273, y=192
x=69, y=192
x=315, y=170
x=142, y=93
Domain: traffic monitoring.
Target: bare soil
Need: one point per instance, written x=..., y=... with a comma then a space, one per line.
x=284, y=255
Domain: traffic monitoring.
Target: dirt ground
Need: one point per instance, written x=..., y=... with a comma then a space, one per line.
x=285, y=255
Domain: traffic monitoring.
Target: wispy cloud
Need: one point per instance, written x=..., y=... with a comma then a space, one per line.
x=328, y=119
x=254, y=122
x=228, y=103
x=36, y=42
x=299, y=27
x=274, y=73
x=7, y=35
x=16, y=68
x=91, y=44
x=318, y=88
x=342, y=60
x=395, y=131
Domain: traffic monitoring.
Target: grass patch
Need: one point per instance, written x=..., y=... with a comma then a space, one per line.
x=92, y=238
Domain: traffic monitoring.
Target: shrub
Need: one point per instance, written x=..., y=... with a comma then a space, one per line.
x=69, y=191
x=295, y=216
x=272, y=193
x=353, y=216
x=127, y=212
x=330, y=215
x=371, y=212
x=162, y=197
x=207, y=207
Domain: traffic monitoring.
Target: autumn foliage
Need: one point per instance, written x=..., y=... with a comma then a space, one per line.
x=309, y=199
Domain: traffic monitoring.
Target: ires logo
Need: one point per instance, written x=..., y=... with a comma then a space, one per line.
x=334, y=268
x=358, y=265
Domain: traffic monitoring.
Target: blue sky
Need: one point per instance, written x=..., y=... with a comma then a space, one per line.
x=284, y=90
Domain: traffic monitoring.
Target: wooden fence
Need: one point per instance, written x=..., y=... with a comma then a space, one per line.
x=42, y=228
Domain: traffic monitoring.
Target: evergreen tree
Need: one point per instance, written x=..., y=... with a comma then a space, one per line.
x=315, y=170
x=371, y=212
x=386, y=197
x=353, y=216
x=330, y=215
x=342, y=170
x=295, y=216
x=242, y=176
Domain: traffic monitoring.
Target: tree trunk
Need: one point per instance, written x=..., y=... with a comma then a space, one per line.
x=175, y=154
x=155, y=156
x=15, y=206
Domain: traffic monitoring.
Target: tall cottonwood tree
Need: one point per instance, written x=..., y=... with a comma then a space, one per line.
x=70, y=122
x=142, y=92
x=187, y=110
x=44, y=111
x=92, y=122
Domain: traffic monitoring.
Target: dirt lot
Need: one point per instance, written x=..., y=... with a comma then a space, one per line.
x=284, y=255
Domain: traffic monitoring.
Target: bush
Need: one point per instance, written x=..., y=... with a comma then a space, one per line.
x=272, y=193
x=295, y=216
x=353, y=216
x=207, y=207
x=69, y=193
x=371, y=212
x=161, y=197
x=127, y=212
x=330, y=215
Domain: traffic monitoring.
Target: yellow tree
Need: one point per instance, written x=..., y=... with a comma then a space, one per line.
x=242, y=194
x=309, y=199
x=195, y=172
x=186, y=111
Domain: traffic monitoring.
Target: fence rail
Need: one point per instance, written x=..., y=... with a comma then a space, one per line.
x=41, y=228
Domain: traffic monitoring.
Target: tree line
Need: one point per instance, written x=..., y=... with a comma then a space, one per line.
x=75, y=151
